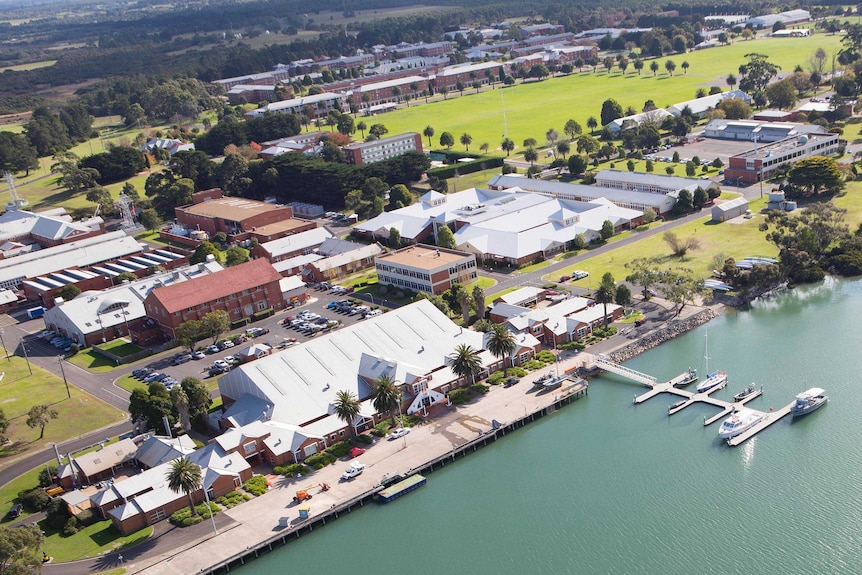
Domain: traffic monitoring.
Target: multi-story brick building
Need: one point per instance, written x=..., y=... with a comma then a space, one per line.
x=360, y=153
x=241, y=291
x=423, y=268
x=213, y=213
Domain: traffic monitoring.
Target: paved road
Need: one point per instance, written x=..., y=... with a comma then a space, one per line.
x=506, y=280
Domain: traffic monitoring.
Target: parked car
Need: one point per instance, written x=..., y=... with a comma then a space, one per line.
x=16, y=511
x=231, y=360
x=182, y=358
x=142, y=372
x=579, y=274
x=510, y=381
x=213, y=349
x=373, y=313
x=226, y=344
x=565, y=278
x=213, y=370
x=221, y=364
x=399, y=432
x=355, y=470
x=153, y=376
x=198, y=355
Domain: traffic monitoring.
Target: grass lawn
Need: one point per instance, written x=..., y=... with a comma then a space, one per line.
x=20, y=391
x=91, y=541
x=30, y=66
x=737, y=240
x=9, y=492
x=121, y=347
x=534, y=267
x=529, y=110
x=92, y=361
x=483, y=282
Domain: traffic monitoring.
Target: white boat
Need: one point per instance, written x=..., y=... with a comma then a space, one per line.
x=742, y=420
x=742, y=395
x=808, y=401
x=716, y=379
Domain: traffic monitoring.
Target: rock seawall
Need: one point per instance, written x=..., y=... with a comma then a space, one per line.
x=661, y=335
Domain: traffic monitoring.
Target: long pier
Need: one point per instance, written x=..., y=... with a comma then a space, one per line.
x=688, y=398
x=571, y=390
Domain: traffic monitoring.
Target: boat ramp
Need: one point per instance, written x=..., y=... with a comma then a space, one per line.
x=688, y=398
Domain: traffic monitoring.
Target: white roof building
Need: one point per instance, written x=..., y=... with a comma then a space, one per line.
x=94, y=312
x=623, y=198
x=656, y=116
x=700, y=106
x=301, y=243
x=79, y=253
x=509, y=225
x=298, y=386
x=652, y=183
x=320, y=104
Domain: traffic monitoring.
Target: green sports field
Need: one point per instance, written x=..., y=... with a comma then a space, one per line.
x=529, y=110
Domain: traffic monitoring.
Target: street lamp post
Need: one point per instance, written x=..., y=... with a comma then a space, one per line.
x=212, y=516
x=26, y=358
x=400, y=417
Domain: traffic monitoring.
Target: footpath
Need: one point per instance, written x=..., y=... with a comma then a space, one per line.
x=246, y=526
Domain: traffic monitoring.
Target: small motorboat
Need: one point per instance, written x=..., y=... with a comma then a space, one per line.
x=677, y=404
x=742, y=395
x=741, y=421
x=713, y=381
x=808, y=401
x=553, y=383
x=687, y=378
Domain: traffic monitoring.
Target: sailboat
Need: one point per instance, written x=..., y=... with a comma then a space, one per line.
x=716, y=379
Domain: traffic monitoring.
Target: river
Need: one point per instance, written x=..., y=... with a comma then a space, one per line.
x=603, y=486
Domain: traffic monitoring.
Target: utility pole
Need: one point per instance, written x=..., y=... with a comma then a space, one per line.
x=63, y=371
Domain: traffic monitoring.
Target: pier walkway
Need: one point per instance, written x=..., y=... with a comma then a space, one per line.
x=688, y=398
x=621, y=370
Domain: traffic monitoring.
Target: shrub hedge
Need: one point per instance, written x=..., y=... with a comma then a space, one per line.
x=256, y=485
x=291, y=470
x=338, y=450
x=459, y=396
x=320, y=460
x=232, y=499
x=481, y=163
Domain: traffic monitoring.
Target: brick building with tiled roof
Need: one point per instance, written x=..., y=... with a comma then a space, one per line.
x=241, y=290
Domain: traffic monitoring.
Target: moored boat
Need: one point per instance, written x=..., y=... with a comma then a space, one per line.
x=686, y=378
x=742, y=395
x=715, y=380
x=675, y=405
x=808, y=401
x=741, y=421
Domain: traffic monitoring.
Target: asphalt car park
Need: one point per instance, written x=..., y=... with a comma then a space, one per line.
x=278, y=335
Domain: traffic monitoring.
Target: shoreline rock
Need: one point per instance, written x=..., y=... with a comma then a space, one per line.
x=661, y=335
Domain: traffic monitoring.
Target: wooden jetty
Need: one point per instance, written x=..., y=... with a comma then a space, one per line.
x=688, y=398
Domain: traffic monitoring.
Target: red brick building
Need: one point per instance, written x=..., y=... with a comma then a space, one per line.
x=241, y=290
x=213, y=213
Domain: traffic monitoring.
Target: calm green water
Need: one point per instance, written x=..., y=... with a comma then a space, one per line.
x=606, y=487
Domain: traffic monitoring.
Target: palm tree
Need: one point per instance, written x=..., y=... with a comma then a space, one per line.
x=605, y=294
x=387, y=395
x=466, y=140
x=685, y=66
x=185, y=477
x=639, y=65
x=346, y=408
x=654, y=67
x=670, y=66
x=464, y=361
x=428, y=132
x=362, y=126
x=464, y=300
x=592, y=123
x=501, y=343
x=479, y=300
x=531, y=155
x=508, y=145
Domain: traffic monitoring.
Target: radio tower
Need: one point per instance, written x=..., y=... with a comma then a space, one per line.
x=125, y=204
x=15, y=202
